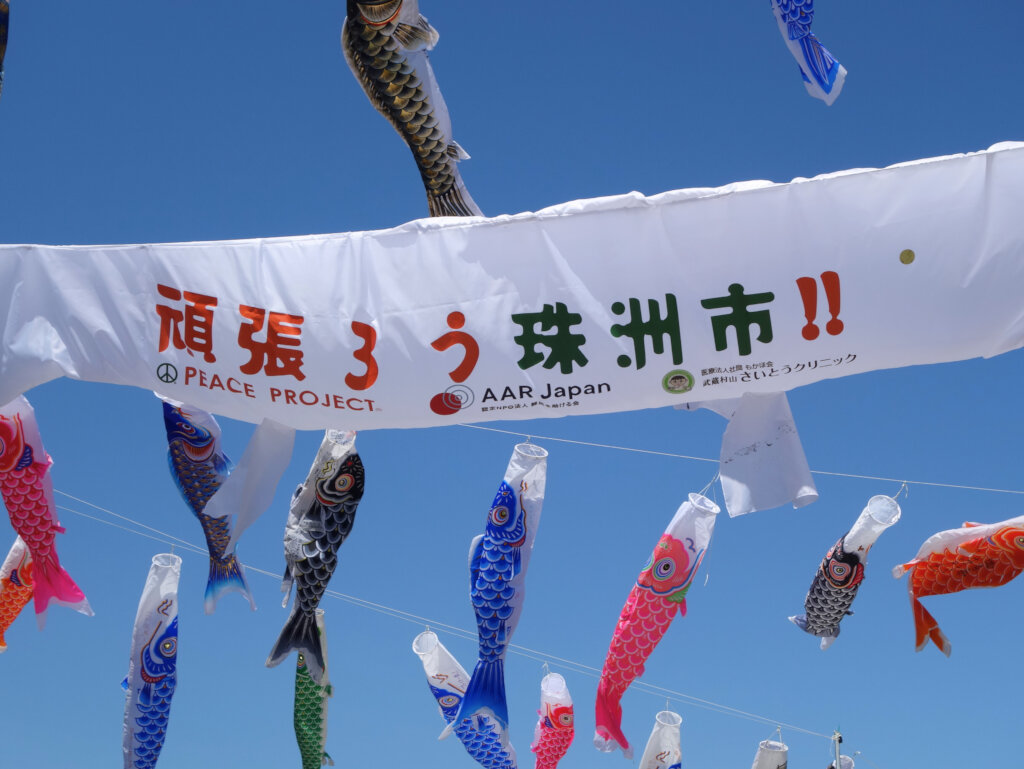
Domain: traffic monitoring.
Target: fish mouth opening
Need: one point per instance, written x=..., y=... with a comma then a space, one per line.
x=668, y=718
x=425, y=642
x=379, y=14
x=884, y=510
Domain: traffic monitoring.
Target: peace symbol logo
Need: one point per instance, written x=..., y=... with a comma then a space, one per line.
x=167, y=373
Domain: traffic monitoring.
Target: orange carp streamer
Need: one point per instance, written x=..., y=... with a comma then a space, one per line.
x=976, y=555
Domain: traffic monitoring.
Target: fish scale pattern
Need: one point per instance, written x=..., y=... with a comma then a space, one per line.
x=832, y=592
x=158, y=665
x=375, y=53
x=644, y=621
x=320, y=555
x=988, y=562
x=556, y=734
x=658, y=595
x=310, y=716
x=199, y=469
x=318, y=524
x=484, y=745
x=26, y=504
x=152, y=723
x=491, y=595
x=15, y=587
x=984, y=561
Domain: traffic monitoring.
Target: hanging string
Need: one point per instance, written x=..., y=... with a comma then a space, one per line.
x=715, y=477
x=672, y=455
x=903, y=488
x=858, y=753
x=543, y=657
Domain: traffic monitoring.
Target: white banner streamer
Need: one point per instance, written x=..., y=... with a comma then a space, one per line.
x=593, y=306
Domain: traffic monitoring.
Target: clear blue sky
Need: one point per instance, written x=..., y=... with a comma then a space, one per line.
x=145, y=122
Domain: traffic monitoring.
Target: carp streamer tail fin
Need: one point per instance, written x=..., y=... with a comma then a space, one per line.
x=300, y=633
x=53, y=583
x=455, y=202
x=226, y=576
x=485, y=694
x=926, y=628
x=608, y=717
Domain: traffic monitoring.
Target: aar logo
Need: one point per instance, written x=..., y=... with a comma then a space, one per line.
x=455, y=398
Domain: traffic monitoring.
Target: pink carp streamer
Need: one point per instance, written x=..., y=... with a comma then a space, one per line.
x=556, y=725
x=28, y=494
x=659, y=593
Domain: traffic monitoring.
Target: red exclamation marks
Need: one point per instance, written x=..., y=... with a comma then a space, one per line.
x=809, y=294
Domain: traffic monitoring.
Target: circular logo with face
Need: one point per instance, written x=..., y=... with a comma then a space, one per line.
x=677, y=381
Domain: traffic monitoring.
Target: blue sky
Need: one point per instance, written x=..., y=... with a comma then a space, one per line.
x=148, y=122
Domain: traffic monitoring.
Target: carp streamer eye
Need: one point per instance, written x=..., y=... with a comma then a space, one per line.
x=565, y=719
x=1018, y=541
x=168, y=647
x=839, y=571
x=500, y=515
x=664, y=568
x=344, y=482
x=448, y=701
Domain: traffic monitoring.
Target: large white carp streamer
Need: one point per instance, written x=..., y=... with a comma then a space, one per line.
x=753, y=287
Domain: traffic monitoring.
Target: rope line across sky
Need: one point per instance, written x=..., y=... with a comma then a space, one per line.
x=391, y=611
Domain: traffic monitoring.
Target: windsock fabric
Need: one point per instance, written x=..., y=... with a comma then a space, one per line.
x=498, y=562
x=310, y=713
x=556, y=723
x=27, y=489
x=771, y=754
x=839, y=576
x=975, y=555
x=15, y=586
x=659, y=593
x=152, y=665
x=663, y=750
x=483, y=737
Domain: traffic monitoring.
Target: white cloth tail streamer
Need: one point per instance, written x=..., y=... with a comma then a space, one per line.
x=845, y=762
x=249, y=490
x=663, y=750
x=152, y=666
x=762, y=463
x=771, y=754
